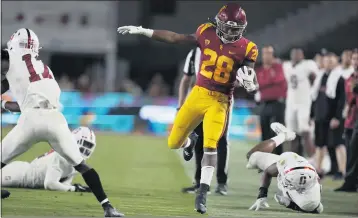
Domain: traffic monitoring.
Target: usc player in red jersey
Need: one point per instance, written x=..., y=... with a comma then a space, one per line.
x=224, y=52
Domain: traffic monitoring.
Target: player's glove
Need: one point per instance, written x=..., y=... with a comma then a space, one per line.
x=260, y=203
x=247, y=78
x=135, y=30
x=80, y=188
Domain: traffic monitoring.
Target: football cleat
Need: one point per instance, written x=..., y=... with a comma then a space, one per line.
x=112, y=212
x=190, y=189
x=221, y=189
x=200, y=200
x=188, y=152
x=5, y=194
x=193, y=189
x=279, y=128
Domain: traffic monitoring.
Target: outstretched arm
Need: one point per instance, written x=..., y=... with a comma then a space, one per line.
x=172, y=37
x=159, y=35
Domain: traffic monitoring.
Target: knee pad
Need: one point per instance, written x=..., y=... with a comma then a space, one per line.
x=261, y=160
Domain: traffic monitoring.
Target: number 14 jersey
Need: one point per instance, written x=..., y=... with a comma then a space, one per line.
x=219, y=62
x=32, y=82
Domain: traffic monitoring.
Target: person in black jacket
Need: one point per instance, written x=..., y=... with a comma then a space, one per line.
x=328, y=110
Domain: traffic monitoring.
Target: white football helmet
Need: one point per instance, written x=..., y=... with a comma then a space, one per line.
x=86, y=141
x=24, y=41
x=300, y=177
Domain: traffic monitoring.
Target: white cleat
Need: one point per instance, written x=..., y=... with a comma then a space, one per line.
x=279, y=128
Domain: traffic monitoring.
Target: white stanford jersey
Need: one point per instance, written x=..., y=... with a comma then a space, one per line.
x=50, y=166
x=299, y=87
x=192, y=62
x=32, y=82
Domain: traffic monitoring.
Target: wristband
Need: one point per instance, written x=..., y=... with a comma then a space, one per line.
x=3, y=102
x=262, y=192
x=147, y=32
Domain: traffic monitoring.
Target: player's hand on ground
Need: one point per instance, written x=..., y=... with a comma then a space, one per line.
x=81, y=188
x=259, y=204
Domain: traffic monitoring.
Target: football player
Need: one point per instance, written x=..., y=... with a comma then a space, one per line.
x=225, y=55
x=50, y=171
x=300, y=74
x=190, y=71
x=37, y=93
x=297, y=180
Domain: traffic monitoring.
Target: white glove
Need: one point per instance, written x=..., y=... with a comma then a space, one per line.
x=135, y=30
x=246, y=76
x=260, y=203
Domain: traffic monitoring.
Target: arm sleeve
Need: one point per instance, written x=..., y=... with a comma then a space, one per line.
x=341, y=98
x=188, y=59
x=53, y=176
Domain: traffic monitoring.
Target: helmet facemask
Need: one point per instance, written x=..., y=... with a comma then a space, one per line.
x=230, y=31
x=86, y=147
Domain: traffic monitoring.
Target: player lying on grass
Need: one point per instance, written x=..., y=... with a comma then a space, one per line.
x=50, y=171
x=297, y=180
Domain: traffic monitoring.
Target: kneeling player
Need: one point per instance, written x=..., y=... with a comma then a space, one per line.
x=297, y=180
x=50, y=170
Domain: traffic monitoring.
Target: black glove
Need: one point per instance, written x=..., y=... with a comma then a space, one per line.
x=80, y=188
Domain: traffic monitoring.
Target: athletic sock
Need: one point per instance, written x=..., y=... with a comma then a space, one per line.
x=279, y=139
x=93, y=181
x=207, y=173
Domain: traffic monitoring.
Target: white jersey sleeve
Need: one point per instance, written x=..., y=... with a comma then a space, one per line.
x=57, y=170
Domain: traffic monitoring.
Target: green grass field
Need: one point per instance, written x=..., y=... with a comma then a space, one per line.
x=143, y=177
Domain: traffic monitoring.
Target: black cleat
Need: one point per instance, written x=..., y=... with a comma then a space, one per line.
x=200, y=200
x=110, y=211
x=190, y=189
x=5, y=194
x=221, y=189
x=188, y=152
x=338, y=176
x=347, y=188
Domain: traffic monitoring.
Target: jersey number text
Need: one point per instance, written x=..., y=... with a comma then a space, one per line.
x=223, y=66
x=33, y=75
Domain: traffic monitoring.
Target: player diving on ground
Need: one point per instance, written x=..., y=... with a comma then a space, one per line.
x=50, y=171
x=225, y=55
x=297, y=180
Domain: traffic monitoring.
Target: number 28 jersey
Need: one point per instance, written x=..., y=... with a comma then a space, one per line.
x=219, y=62
x=32, y=82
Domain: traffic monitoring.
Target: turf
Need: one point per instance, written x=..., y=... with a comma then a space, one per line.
x=143, y=177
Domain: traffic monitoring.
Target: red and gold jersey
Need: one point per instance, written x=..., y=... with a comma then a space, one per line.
x=219, y=62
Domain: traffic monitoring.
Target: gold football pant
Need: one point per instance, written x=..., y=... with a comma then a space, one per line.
x=202, y=105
